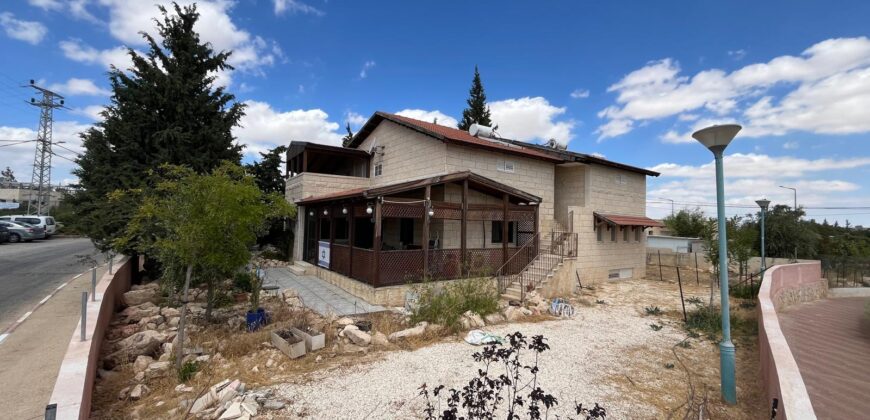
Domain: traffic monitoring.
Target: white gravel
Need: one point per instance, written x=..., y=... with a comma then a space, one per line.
x=583, y=352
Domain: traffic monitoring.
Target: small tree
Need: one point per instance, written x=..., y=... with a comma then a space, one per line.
x=203, y=222
x=477, y=111
x=345, y=141
x=687, y=223
x=7, y=175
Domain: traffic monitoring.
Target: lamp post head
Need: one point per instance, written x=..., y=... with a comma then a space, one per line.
x=717, y=137
x=763, y=203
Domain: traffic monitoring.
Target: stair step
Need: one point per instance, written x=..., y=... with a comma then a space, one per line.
x=297, y=270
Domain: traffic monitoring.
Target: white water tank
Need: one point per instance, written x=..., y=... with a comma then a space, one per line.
x=479, y=130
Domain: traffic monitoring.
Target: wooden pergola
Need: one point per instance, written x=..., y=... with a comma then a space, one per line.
x=349, y=212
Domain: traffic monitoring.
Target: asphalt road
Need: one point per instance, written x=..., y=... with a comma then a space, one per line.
x=30, y=271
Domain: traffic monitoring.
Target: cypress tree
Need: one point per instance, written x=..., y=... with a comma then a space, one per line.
x=165, y=109
x=477, y=110
x=345, y=141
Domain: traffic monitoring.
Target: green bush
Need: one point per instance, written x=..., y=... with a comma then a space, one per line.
x=445, y=305
x=744, y=291
x=242, y=282
x=708, y=319
x=187, y=371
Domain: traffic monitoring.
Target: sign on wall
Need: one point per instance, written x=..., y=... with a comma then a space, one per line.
x=323, y=254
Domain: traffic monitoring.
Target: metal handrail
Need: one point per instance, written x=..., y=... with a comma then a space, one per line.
x=549, y=262
x=517, y=252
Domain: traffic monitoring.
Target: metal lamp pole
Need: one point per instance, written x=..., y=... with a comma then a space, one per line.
x=763, y=203
x=795, y=211
x=716, y=138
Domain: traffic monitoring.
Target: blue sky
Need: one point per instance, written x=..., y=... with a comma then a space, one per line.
x=627, y=80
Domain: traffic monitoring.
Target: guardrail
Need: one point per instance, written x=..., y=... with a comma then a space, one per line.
x=71, y=397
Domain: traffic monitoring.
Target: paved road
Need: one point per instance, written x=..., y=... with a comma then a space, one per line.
x=30, y=271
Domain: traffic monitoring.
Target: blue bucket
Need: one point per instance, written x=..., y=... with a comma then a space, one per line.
x=254, y=320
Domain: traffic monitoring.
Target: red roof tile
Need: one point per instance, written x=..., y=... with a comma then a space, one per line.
x=620, y=220
x=463, y=137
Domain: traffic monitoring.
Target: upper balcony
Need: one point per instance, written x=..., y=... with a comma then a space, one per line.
x=304, y=157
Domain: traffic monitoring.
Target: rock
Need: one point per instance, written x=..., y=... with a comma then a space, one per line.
x=471, y=320
x=512, y=313
x=168, y=312
x=134, y=314
x=270, y=363
x=273, y=405
x=139, y=377
x=139, y=391
x=435, y=328
x=234, y=411
x=157, y=369
x=360, y=338
x=525, y=311
x=138, y=297
x=250, y=408
x=493, y=318
x=203, y=359
x=353, y=348
x=106, y=374
x=183, y=388
x=343, y=332
x=410, y=332
x=173, y=322
x=124, y=393
x=379, y=339
x=142, y=363
x=318, y=358
x=141, y=343
x=255, y=369
x=344, y=321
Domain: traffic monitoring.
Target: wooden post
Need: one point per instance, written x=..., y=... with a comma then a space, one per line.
x=697, y=278
x=661, y=277
x=426, y=208
x=377, y=257
x=683, y=301
x=350, y=228
x=305, y=161
x=504, y=230
x=463, y=230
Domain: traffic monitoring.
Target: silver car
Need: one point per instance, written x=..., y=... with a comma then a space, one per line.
x=23, y=232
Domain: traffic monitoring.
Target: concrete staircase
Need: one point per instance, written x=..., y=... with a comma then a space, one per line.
x=536, y=275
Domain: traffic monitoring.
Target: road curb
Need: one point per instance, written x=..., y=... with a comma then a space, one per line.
x=11, y=328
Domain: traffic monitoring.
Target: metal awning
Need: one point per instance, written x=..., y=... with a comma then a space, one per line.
x=620, y=220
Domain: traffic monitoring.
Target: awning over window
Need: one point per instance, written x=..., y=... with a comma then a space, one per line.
x=619, y=220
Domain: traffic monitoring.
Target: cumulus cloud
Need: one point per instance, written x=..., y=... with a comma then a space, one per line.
x=368, y=65
x=75, y=86
x=827, y=85
x=23, y=30
x=531, y=119
x=580, y=93
x=19, y=157
x=264, y=127
x=92, y=112
x=295, y=6
x=355, y=119
x=76, y=50
x=429, y=116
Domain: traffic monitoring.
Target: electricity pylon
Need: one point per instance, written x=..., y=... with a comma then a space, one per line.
x=42, y=159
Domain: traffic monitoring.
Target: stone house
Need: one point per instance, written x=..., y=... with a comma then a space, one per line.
x=410, y=199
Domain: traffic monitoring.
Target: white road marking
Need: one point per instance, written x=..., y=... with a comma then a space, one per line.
x=3, y=337
x=45, y=299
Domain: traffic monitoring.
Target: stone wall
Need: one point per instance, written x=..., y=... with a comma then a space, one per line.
x=405, y=154
x=785, y=285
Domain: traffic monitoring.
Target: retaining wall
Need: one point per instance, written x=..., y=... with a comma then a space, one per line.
x=785, y=285
x=75, y=380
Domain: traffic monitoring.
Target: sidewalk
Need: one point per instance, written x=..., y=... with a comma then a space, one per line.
x=322, y=297
x=30, y=357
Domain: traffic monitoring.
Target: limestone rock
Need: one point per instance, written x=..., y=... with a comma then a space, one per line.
x=380, y=339
x=273, y=405
x=142, y=363
x=512, y=313
x=141, y=343
x=139, y=391
x=134, y=314
x=232, y=412
x=410, y=332
x=344, y=321
x=157, y=369
x=493, y=318
x=360, y=338
x=138, y=297
x=168, y=312
x=471, y=320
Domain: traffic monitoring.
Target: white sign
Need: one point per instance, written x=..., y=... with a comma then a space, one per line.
x=9, y=205
x=323, y=254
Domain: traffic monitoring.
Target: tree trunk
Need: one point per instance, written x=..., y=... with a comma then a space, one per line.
x=179, y=350
x=209, y=300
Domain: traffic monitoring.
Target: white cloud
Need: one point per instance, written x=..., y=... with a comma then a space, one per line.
x=52, y=5
x=580, y=93
x=19, y=157
x=77, y=51
x=751, y=165
x=75, y=86
x=368, y=65
x=355, y=119
x=737, y=54
x=828, y=86
x=429, y=116
x=295, y=6
x=22, y=30
x=531, y=119
x=264, y=127
x=790, y=145
x=92, y=112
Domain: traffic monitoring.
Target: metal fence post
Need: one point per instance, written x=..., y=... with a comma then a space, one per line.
x=51, y=412
x=94, y=284
x=111, y=260
x=84, y=315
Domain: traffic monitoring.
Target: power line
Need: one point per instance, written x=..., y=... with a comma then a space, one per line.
x=752, y=206
x=42, y=158
x=14, y=144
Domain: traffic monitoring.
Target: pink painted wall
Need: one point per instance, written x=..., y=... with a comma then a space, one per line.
x=75, y=380
x=784, y=285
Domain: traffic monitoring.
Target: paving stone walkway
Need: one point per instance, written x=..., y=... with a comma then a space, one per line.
x=322, y=297
x=830, y=340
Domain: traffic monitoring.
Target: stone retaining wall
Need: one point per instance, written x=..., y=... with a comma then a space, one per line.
x=75, y=380
x=785, y=285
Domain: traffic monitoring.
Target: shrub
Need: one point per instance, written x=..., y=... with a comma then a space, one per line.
x=445, y=305
x=656, y=327
x=242, y=281
x=653, y=310
x=708, y=319
x=745, y=291
x=499, y=387
x=187, y=371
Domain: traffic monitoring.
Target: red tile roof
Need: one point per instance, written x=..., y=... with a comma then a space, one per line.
x=460, y=137
x=620, y=220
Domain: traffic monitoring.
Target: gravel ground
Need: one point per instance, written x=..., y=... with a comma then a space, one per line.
x=585, y=351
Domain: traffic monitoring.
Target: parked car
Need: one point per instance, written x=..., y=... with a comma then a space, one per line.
x=23, y=232
x=47, y=223
x=4, y=234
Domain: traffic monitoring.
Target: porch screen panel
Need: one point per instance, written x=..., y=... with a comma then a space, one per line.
x=444, y=264
x=361, y=268
x=483, y=262
x=400, y=267
x=340, y=259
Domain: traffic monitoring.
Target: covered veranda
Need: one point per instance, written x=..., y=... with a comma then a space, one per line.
x=450, y=226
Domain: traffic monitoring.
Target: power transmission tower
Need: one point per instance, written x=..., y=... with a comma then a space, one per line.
x=42, y=159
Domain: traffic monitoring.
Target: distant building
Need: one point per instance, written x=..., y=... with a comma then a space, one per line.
x=21, y=192
x=674, y=243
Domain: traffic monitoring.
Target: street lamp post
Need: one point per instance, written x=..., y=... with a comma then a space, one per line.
x=672, y=204
x=716, y=138
x=795, y=212
x=763, y=203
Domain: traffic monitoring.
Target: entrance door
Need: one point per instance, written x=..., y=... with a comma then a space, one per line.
x=310, y=248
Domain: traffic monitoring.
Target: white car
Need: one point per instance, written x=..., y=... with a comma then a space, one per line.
x=45, y=222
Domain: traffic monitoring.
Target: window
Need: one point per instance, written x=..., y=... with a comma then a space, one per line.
x=637, y=232
x=505, y=166
x=620, y=179
x=620, y=273
x=599, y=232
x=496, y=231
x=625, y=233
x=363, y=232
x=341, y=230
x=324, y=229
x=612, y=233
x=379, y=169
x=406, y=231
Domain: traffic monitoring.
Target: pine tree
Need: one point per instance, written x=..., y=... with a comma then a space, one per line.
x=345, y=141
x=477, y=111
x=165, y=109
